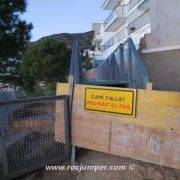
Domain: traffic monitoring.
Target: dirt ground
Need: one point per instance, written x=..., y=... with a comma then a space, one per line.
x=142, y=171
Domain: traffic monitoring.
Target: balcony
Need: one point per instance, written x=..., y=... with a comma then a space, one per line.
x=115, y=19
x=111, y=4
x=144, y=5
x=97, y=39
x=139, y=22
x=118, y=38
x=141, y=4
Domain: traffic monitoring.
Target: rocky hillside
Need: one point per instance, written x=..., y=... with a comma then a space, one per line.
x=84, y=39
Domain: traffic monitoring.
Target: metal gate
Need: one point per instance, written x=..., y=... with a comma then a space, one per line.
x=27, y=135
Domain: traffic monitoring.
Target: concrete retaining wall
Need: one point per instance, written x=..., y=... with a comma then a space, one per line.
x=163, y=69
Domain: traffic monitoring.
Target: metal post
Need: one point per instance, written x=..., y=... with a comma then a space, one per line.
x=121, y=63
x=73, y=78
x=72, y=59
x=108, y=73
x=77, y=63
x=3, y=142
x=73, y=155
x=130, y=64
x=66, y=127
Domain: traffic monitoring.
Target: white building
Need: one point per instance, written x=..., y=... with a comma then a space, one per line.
x=128, y=18
x=158, y=21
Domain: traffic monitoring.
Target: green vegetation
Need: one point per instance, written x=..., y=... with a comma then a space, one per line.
x=33, y=69
x=43, y=65
x=14, y=36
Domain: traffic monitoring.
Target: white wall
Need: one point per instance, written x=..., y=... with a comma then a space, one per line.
x=165, y=23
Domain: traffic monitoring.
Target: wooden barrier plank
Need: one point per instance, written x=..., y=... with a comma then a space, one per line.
x=62, y=89
x=90, y=134
x=152, y=136
x=59, y=123
x=86, y=131
x=147, y=144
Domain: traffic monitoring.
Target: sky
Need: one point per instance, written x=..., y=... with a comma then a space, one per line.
x=63, y=16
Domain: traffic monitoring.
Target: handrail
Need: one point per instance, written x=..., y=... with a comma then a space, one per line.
x=138, y=58
x=140, y=65
x=120, y=45
x=72, y=59
x=119, y=66
x=104, y=2
x=76, y=65
x=124, y=68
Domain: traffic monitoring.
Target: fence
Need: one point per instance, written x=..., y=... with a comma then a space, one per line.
x=27, y=135
x=119, y=11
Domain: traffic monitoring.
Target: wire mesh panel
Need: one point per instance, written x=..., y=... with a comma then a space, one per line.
x=1, y=152
x=29, y=135
x=126, y=63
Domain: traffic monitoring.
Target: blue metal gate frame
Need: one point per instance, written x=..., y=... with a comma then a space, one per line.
x=43, y=106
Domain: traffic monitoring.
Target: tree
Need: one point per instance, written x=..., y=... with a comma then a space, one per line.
x=14, y=36
x=47, y=61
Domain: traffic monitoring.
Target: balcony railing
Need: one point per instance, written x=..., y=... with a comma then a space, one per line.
x=97, y=39
x=122, y=67
x=124, y=33
x=105, y=2
x=119, y=11
x=132, y=4
x=115, y=39
x=139, y=22
x=109, y=18
x=111, y=4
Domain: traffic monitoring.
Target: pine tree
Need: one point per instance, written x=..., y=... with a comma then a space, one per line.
x=14, y=36
x=46, y=61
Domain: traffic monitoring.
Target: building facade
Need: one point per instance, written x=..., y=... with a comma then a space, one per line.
x=158, y=22
x=128, y=18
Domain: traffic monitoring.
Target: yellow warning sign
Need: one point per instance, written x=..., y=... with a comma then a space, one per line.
x=118, y=101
